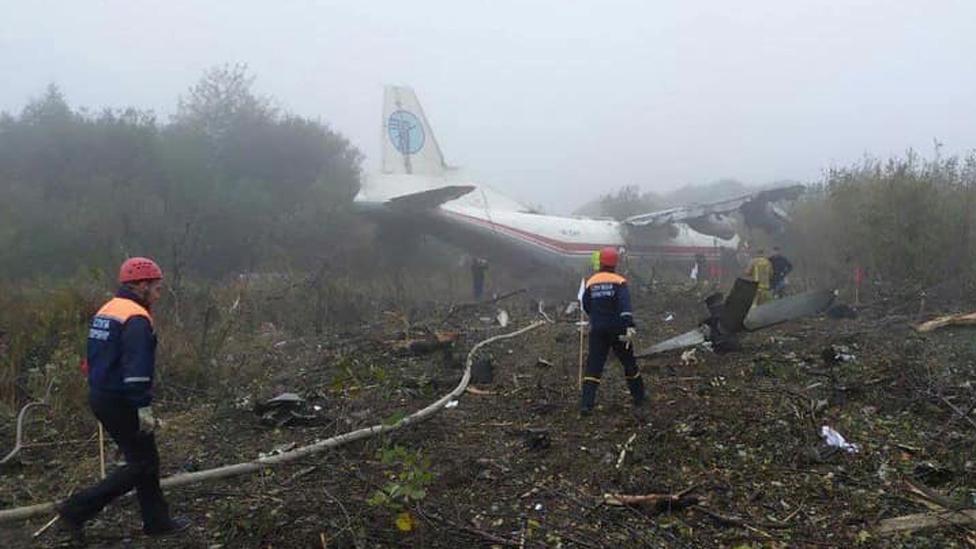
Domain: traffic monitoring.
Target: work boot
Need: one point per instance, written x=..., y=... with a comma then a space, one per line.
x=175, y=526
x=588, y=396
x=637, y=392
x=70, y=528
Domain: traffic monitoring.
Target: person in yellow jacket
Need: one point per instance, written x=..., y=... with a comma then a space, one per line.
x=595, y=261
x=760, y=270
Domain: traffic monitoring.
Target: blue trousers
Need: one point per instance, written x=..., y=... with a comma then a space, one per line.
x=601, y=342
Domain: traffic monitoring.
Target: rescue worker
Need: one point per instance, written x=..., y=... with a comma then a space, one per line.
x=606, y=300
x=781, y=268
x=120, y=362
x=760, y=270
x=478, y=267
x=595, y=260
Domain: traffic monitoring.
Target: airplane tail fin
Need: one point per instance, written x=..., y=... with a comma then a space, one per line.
x=409, y=146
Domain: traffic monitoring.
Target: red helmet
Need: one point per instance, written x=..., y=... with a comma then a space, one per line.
x=609, y=256
x=135, y=269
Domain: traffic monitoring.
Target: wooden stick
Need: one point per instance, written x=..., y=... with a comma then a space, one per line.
x=44, y=528
x=579, y=377
x=911, y=523
x=248, y=467
x=624, y=499
x=101, y=448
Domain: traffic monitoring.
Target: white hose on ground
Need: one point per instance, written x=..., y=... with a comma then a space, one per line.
x=20, y=513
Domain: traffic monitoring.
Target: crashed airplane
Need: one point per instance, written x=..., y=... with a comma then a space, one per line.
x=416, y=189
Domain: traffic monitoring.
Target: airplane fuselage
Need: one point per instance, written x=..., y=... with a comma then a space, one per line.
x=510, y=232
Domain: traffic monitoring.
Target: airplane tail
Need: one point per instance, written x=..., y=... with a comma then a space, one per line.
x=409, y=146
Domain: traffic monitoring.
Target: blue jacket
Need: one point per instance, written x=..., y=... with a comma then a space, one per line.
x=607, y=302
x=122, y=351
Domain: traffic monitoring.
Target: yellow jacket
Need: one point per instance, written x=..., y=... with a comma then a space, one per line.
x=760, y=270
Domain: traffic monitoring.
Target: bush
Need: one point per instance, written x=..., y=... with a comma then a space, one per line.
x=907, y=221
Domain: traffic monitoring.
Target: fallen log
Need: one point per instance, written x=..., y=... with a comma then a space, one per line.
x=919, y=521
x=949, y=320
x=424, y=345
x=248, y=467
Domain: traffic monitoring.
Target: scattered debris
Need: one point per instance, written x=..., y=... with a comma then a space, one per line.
x=625, y=449
x=278, y=450
x=482, y=371
x=244, y=403
x=285, y=409
x=284, y=398
x=451, y=404
x=669, y=317
x=543, y=363
x=537, y=439
x=688, y=357
x=836, y=354
x=502, y=318
x=836, y=440
x=841, y=311
x=687, y=339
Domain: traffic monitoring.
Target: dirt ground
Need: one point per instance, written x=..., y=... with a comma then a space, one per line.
x=738, y=435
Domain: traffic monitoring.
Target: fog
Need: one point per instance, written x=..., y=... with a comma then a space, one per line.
x=549, y=101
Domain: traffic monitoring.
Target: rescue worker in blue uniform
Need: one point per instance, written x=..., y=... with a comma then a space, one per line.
x=121, y=362
x=606, y=300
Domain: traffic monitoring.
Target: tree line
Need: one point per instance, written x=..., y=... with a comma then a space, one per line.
x=907, y=221
x=231, y=183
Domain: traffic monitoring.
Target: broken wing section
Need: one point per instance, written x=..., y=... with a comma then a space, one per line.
x=716, y=219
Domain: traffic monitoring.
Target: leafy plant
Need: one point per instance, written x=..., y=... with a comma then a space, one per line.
x=409, y=473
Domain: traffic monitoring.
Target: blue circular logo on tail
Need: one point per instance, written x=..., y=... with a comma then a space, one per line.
x=406, y=132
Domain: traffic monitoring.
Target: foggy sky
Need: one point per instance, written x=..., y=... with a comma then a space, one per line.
x=552, y=101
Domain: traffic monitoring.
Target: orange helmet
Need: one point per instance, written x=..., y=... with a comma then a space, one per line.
x=609, y=256
x=135, y=269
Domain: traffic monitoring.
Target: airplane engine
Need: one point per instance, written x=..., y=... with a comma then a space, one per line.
x=717, y=225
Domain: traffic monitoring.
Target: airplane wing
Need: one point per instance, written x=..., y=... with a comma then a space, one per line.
x=430, y=199
x=757, y=209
